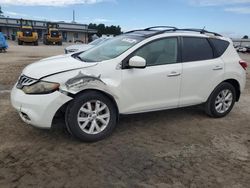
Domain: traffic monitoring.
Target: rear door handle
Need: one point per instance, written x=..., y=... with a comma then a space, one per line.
x=172, y=74
x=218, y=68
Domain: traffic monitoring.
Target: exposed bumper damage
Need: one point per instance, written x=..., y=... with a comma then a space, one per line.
x=82, y=80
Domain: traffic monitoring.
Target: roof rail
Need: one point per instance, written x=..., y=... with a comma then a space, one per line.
x=172, y=29
x=133, y=31
x=156, y=27
x=201, y=31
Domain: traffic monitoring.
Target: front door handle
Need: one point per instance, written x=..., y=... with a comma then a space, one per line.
x=172, y=74
x=218, y=68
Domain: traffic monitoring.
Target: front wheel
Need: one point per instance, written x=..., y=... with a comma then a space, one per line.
x=91, y=116
x=221, y=101
x=20, y=42
x=36, y=43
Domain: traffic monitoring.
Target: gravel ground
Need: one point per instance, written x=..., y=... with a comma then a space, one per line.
x=173, y=148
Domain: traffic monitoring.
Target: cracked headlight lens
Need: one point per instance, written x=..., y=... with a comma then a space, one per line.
x=41, y=87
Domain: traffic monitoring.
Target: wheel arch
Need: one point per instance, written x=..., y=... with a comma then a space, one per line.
x=236, y=85
x=63, y=108
x=106, y=94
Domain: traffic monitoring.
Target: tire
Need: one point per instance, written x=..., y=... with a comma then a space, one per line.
x=20, y=42
x=59, y=43
x=46, y=42
x=219, y=104
x=36, y=43
x=89, y=120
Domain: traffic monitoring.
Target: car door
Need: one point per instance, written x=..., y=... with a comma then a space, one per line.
x=158, y=85
x=202, y=72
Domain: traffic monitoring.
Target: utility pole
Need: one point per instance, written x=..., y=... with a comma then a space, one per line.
x=74, y=18
x=74, y=21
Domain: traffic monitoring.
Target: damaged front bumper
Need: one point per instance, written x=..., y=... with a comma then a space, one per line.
x=38, y=110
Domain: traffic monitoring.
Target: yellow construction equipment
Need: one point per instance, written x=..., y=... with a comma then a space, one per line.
x=26, y=33
x=52, y=36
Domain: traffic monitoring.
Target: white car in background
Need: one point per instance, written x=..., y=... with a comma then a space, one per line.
x=139, y=71
x=85, y=47
x=241, y=49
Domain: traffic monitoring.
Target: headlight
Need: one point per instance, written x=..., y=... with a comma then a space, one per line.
x=41, y=87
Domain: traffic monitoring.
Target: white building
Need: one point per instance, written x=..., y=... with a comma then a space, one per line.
x=70, y=31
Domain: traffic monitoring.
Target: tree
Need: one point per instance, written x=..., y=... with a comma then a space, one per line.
x=1, y=12
x=101, y=29
x=245, y=37
x=105, y=30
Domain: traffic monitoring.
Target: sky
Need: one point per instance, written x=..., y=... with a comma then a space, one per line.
x=228, y=17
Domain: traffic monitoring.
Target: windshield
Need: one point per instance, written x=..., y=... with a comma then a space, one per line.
x=54, y=33
x=98, y=41
x=27, y=32
x=110, y=49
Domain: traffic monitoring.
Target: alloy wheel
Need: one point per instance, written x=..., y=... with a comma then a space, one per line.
x=93, y=117
x=224, y=101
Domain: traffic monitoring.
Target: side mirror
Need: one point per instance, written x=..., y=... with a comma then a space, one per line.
x=137, y=62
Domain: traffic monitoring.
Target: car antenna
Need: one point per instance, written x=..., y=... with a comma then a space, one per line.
x=203, y=30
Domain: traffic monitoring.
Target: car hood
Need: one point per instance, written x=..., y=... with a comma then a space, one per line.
x=79, y=47
x=54, y=65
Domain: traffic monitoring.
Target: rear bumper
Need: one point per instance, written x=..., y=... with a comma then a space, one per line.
x=37, y=110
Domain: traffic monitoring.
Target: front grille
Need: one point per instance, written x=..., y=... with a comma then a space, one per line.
x=25, y=81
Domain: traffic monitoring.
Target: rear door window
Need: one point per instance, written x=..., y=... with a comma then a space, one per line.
x=220, y=46
x=196, y=49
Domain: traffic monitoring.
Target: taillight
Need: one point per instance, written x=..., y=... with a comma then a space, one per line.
x=244, y=64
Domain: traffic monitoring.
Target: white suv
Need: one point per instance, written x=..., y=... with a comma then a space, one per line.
x=139, y=71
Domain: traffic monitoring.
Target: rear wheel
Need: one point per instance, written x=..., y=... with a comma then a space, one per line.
x=221, y=101
x=59, y=43
x=91, y=116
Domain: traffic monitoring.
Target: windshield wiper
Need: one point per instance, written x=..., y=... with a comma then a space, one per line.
x=79, y=58
x=76, y=56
